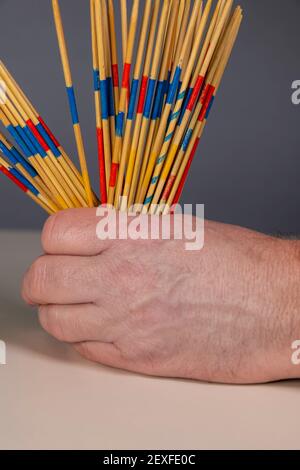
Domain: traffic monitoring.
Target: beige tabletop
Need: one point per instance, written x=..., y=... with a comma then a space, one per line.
x=50, y=398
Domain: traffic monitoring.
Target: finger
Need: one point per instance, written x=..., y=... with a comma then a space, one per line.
x=79, y=323
x=74, y=232
x=62, y=280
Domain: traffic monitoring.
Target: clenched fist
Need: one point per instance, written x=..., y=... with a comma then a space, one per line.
x=227, y=313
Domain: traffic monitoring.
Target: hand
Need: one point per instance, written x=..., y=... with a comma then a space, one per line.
x=228, y=313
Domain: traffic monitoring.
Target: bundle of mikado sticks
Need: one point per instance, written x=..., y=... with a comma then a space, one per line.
x=148, y=125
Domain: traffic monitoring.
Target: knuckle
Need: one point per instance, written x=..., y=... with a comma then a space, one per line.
x=48, y=231
x=52, y=230
x=50, y=322
x=35, y=280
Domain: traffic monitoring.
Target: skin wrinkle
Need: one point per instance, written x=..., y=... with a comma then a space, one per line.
x=225, y=314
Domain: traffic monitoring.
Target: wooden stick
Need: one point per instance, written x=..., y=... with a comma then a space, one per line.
x=110, y=88
x=72, y=100
x=99, y=128
x=178, y=184
x=183, y=31
x=114, y=53
x=40, y=164
x=17, y=160
x=140, y=108
x=103, y=90
x=123, y=101
x=157, y=107
x=44, y=131
x=124, y=21
x=150, y=97
x=24, y=185
x=132, y=103
x=200, y=112
x=162, y=168
x=163, y=138
x=65, y=185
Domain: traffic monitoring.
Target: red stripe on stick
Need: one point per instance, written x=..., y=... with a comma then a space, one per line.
x=115, y=75
x=142, y=96
x=209, y=94
x=113, y=174
x=126, y=76
x=13, y=178
x=52, y=137
x=37, y=135
x=101, y=160
x=186, y=172
x=168, y=187
x=196, y=91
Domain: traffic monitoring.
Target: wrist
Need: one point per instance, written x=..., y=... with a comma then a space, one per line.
x=285, y=288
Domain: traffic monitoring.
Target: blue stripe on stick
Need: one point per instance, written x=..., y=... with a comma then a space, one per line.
x=148, y=200
x=111, y=100
x=154, y=180
x=187, y=139
x=209, y=107
x=48, y=140
x=161, y=159
x=24, y=162
x=23, y=180
x=72, y=104
x=104, y=99
x=132, y=102
x=174, y=86
x=185, y=104
x=120, y=124
x=174, y=116
x=168, y=137
x=34, y=142
x=8, y=154
x=19, y=141
x=96, y=80
x=27, y=140
x=149, y=98
x=158, y=99
x=15, y=157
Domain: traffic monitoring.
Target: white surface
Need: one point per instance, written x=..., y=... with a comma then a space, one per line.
x=52, y=399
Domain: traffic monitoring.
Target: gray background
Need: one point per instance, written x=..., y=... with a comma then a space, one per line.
x=248, y=165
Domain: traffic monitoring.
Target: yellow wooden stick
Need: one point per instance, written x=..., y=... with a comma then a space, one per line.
x=153, y=77
x=40, y=199
x=34, y=116
x=162, y=140
x=167, y=58
x=71, y=95
x=44, y=164
x=163, y=167
x=123, y=101
x=124, y=21
x=34, y=180
x=225, y=55
x=211, y=80
x=102, y=72
x=114, y=53
x=129, y=122
x=107, y=48
x=139, y=116
x=57, y=171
